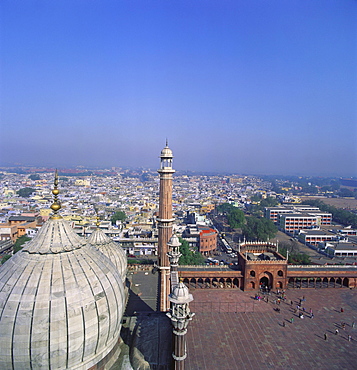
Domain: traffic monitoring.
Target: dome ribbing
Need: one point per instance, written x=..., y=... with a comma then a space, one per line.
x=111, y=249
x=61, y=303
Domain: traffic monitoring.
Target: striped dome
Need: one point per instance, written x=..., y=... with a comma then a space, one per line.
x=61, y=303
x=111, y=249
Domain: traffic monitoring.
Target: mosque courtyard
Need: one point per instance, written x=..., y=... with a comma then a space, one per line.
x=232, y=330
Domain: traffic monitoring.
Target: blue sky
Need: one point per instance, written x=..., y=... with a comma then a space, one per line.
x=258, y=87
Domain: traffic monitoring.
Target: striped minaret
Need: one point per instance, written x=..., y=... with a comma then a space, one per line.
x=165, y=221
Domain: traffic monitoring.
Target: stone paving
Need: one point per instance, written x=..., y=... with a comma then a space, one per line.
x=231, y=330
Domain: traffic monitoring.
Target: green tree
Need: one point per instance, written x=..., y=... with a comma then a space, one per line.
x=19, y=242
x=236, y=218
x=344, y=192
x=269, y=202
x=189, y=257
x=259, y=229
x=295, y=257
x=25, y=192
x=34, y=177
x=118, y=215
x=256, y=198
x=225, y=208
x=5, y=258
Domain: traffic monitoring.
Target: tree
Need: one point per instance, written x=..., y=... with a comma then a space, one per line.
x=19, y=242
x=34, y=177
x=256, y=198
x=25, y=192
x=259, y=229
x=257, y=210
x=225, y=208
x=236, y=218
x=269, y=202
x=5, y=258
x=189, y=257
x=344, y=192
x=118, y=215
x=295, y=257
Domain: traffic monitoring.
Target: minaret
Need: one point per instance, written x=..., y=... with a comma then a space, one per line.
x=164, y=223
x=180, y=316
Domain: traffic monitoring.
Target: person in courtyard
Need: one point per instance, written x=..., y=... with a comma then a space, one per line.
x=336, y=332
x=325, y=336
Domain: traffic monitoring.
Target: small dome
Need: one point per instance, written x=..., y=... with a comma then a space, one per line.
x=180, y=294
x=61, y=303
x=174, y=241
x=166, y=152
x=111, y=249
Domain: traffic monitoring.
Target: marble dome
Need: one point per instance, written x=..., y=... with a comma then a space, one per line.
x=111, y=249
x=61, y=303
x=166, y=152
x=180, y=294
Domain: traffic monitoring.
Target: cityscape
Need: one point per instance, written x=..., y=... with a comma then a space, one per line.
x=212, y=235
x=178, y=185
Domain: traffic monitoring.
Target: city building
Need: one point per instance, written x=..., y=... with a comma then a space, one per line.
x=207, y=241
x=292, y=222
x=314, y=237
x=295, y=217
x=272, y=213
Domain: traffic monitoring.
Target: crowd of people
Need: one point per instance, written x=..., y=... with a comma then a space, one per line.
x=299, y=310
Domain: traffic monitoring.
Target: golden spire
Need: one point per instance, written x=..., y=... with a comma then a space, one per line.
x=56, y=204
x=96, y=210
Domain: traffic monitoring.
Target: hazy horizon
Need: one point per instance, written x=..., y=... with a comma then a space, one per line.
x=237, y=87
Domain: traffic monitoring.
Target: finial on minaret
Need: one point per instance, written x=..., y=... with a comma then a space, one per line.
x=56, y=206
x=167, y=142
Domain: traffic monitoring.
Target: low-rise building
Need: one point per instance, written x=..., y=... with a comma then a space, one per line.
x=296, y=221
x=314, y=237
x=272, y=213
x=8, y=232
x=340, y=249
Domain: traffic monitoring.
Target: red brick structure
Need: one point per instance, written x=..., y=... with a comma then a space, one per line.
x=165, y=221
x=207, y=241
x=262, y=266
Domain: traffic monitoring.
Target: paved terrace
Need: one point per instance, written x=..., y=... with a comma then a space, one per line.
x=231, y=330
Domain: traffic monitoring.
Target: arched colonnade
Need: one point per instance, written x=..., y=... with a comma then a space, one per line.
x=215, y=282
x=323, y=282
